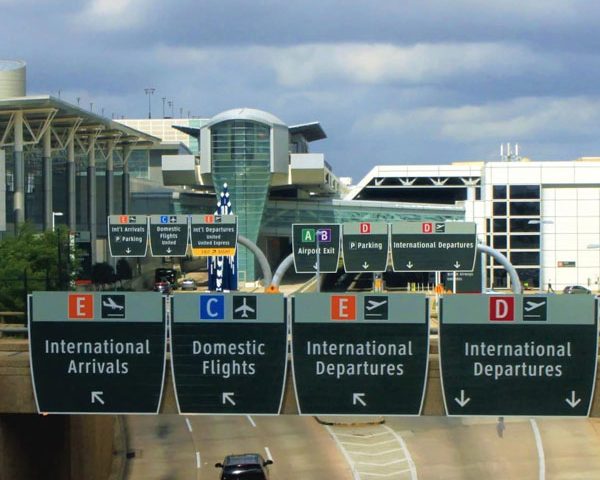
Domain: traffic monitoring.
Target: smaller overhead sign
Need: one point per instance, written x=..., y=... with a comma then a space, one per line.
x=168, y=235
x=128, y=235
x=433, y=246
x=214, y=235
x=316, y=247
x=365, y=246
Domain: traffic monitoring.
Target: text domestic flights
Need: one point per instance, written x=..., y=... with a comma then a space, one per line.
x=433, y=246
x=316, y=247
x=229, y=353
x=365, y=246
x=97, y=352
x=214, y=235
x=168, y=235
x=127, y=235
x=360, y=354
x=530, y=355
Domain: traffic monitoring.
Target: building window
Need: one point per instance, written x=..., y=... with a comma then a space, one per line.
x=530, y=277
x=525, y=191
x=499, y=192
x=499, y=209
x=500, y=241
x=523, y=225
x=499, y=225
x=525, y=258
x=531, y=242
x=525, y=208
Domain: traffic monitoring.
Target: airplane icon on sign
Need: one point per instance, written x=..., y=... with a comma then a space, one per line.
x=110, y=303
x=372, y=304
x=244, y=308
x=529, y=306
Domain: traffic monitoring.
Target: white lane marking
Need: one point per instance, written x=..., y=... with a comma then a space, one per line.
x=413, y=468
x=355, y=474
x=386, y=464
x=251, y=421
x=377, y=454
x=540, y=449
x=397, y=472
x=198, y=460
x=368, y=444
x=354, y=435
x=269, y=456
x=189, y=424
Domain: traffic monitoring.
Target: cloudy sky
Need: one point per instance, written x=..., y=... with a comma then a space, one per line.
x=391, y=81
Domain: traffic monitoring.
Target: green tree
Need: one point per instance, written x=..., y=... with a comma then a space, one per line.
x=30, y=261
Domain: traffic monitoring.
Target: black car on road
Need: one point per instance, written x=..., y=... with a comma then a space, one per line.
x=247, y=466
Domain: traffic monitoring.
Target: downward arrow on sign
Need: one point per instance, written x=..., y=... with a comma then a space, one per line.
x=573, y=402
x=365, y=265
x=462, y=401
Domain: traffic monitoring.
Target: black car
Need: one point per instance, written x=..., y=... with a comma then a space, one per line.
x=247, y=466
x=576, y=289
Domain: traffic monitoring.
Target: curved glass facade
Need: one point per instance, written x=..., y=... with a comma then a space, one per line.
x=241, y=157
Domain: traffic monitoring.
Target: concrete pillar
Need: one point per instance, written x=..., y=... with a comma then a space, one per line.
x=91, y=179
x=2, y=190
x=47, y=178
x=71, y=185
x=19, y=193
x=125, y=184
x=110, y=180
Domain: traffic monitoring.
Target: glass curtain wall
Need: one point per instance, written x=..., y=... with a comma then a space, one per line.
x=240, y=154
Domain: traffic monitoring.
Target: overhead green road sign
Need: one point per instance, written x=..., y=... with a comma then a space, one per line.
x=229, y=353
x=530, y=355
x=214, y=235
x=365, y=246
x=168, y=235
x=433, y=246
x=128, y=235
x=316, y=247
x=97, y=352
x=361, y=354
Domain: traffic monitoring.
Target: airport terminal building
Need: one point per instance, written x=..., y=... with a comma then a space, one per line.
x=63, y=164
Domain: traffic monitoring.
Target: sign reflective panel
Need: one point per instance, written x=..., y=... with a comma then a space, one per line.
x=168, y=235
x=365, y=246
x=316, y=246
x=360, y=354
x=97, y=353
x=229, y=353
x=128, y=235
x=214, y=235
x=527, y=355
x=433, y=246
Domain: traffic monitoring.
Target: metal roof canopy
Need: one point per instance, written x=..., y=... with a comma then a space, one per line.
x=42, y=111
x=311, y=131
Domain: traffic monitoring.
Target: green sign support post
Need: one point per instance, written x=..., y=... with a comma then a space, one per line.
x=97, y=352
x=360, y=354
x=229, y=353
x=530, y=355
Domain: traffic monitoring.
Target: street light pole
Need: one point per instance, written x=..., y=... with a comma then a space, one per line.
x=54, y=215
x=149, y=92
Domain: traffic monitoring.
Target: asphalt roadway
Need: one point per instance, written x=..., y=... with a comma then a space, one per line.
x=171, y=447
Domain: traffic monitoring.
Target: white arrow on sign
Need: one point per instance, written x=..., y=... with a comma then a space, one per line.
x=409, y=264
x=169, y=250
x=315, y=266
x=228, y=397
x=456, y=264
x=573, y=402
x=462, y=401
x=128, y=250
x=358, y=398
x=365, y=265
x=97, y=397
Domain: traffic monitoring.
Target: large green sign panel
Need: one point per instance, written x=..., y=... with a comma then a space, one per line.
x=518, y=355
x=229, y=353
x=365, y=246
x=360, y=354
x=316, y=247
x=97, y=352
x=433, y=246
